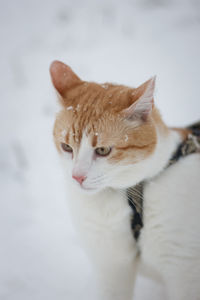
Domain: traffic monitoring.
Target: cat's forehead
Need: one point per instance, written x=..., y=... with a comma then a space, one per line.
x=75, y=122
x=89, y=96
x=93, y=107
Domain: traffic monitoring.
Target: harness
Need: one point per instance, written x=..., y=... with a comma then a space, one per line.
x=135, y=194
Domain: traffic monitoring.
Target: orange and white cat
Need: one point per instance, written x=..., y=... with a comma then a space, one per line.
x=111, y=137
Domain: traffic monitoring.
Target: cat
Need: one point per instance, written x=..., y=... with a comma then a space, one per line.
x=110, y=138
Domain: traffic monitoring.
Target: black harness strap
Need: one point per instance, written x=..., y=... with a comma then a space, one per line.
x=135, y=193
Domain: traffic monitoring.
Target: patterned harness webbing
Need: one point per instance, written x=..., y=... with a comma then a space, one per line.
x=135, y=194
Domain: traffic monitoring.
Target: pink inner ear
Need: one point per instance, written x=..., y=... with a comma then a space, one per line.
x=142, y=107
x=63, y=77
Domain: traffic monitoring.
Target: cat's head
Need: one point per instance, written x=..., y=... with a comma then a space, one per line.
x=104, y=132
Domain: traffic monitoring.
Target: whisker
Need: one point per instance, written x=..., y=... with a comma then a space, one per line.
x=137, y=198
x=132, y=199
x=134, y=192
x=135, y=195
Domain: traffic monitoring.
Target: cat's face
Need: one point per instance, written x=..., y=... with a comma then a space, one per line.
x=102, y=131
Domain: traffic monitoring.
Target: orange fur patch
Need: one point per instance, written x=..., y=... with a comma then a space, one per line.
x=96, y=110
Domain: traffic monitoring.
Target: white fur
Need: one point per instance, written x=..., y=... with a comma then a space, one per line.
x=169, y=244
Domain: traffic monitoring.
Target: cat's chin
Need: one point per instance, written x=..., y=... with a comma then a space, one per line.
x=89, y=190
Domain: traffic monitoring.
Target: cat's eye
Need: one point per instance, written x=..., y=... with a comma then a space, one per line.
x=66, y=147
x=103, y=151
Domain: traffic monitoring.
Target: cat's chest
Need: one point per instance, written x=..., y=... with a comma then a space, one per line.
x=106, y=210
x=104, y=221
x=106, y=218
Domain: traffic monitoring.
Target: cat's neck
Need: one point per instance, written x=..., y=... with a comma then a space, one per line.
x=167, y=143
x=168, y=140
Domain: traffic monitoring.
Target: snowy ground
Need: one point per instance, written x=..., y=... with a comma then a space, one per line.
x=119, y=41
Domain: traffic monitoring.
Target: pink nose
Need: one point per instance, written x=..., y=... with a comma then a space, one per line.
x=80, y=179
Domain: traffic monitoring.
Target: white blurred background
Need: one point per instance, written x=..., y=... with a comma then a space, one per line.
x=117, y=41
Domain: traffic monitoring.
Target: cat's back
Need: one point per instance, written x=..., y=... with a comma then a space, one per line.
x=172, y=215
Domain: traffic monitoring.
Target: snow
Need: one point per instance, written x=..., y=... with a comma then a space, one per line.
x=64, y=132
x=104, y=86
x=69, y=108
x=105, y=41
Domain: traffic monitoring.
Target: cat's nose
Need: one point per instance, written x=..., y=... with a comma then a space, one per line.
x=80, y=179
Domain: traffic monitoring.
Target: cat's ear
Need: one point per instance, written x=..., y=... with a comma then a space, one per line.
x=63, y=77
x=143, y=101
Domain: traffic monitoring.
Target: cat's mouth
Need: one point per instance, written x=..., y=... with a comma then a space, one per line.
x=89, y=189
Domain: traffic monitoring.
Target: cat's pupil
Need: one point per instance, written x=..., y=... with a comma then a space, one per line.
x=102, y=150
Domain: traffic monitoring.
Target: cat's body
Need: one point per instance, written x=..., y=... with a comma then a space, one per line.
x=168, y=248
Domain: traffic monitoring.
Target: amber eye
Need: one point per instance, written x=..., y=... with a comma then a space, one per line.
x=103, y=151
x=66, y=147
